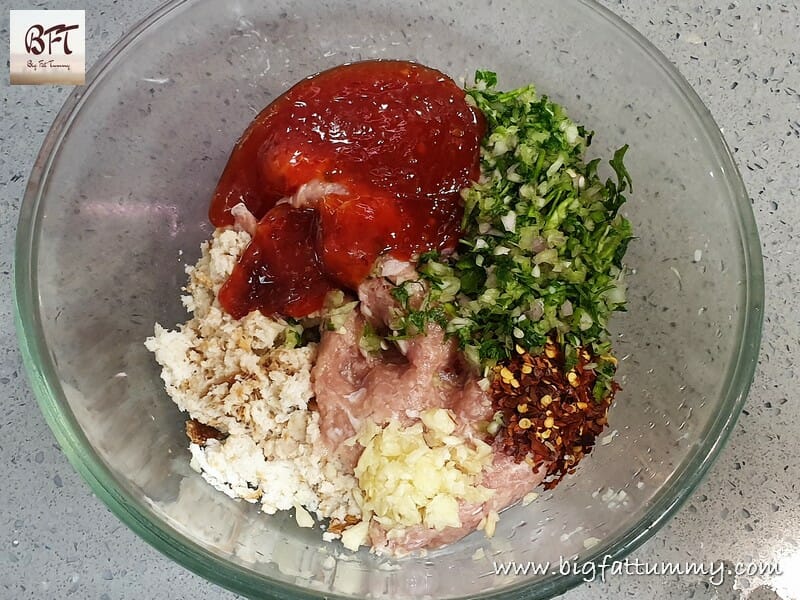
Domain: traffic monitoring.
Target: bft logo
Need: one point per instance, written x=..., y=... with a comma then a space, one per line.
x=37, y=35
x=48, y=46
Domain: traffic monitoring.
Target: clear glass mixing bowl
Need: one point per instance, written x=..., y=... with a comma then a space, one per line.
x=116, y=207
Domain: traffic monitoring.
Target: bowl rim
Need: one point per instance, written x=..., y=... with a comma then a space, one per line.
x=44, y=382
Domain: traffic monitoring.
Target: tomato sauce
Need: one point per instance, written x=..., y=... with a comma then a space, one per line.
x=394, y=142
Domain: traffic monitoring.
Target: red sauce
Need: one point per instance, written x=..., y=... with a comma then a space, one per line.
x=398, y=139
x=279, y=270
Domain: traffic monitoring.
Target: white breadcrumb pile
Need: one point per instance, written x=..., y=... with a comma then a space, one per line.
x=242, y=378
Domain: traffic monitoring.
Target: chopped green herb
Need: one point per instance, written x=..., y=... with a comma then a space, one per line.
x=370, y=342
x=293, y=336
x=336, y=311
x=542, y=241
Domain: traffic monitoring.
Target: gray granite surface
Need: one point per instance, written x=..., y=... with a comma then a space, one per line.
x=743, y=57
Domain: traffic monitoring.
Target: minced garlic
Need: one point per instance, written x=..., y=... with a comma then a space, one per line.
x=417, y=475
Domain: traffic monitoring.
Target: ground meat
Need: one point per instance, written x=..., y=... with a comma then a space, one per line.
x=351, y=388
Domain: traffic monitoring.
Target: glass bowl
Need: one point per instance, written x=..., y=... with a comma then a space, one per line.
x=116, y=207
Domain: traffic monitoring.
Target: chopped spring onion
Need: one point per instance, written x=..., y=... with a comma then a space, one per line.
x=542, y=238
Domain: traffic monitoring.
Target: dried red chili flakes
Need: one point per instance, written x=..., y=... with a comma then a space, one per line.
x=550, y=416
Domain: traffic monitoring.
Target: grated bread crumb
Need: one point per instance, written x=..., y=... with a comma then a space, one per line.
x=238, y=377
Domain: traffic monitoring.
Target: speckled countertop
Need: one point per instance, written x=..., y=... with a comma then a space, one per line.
x=57, y=540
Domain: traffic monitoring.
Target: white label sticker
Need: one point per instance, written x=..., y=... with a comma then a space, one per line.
x=48, y=46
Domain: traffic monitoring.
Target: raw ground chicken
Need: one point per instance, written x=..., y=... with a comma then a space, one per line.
x=239, y=377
